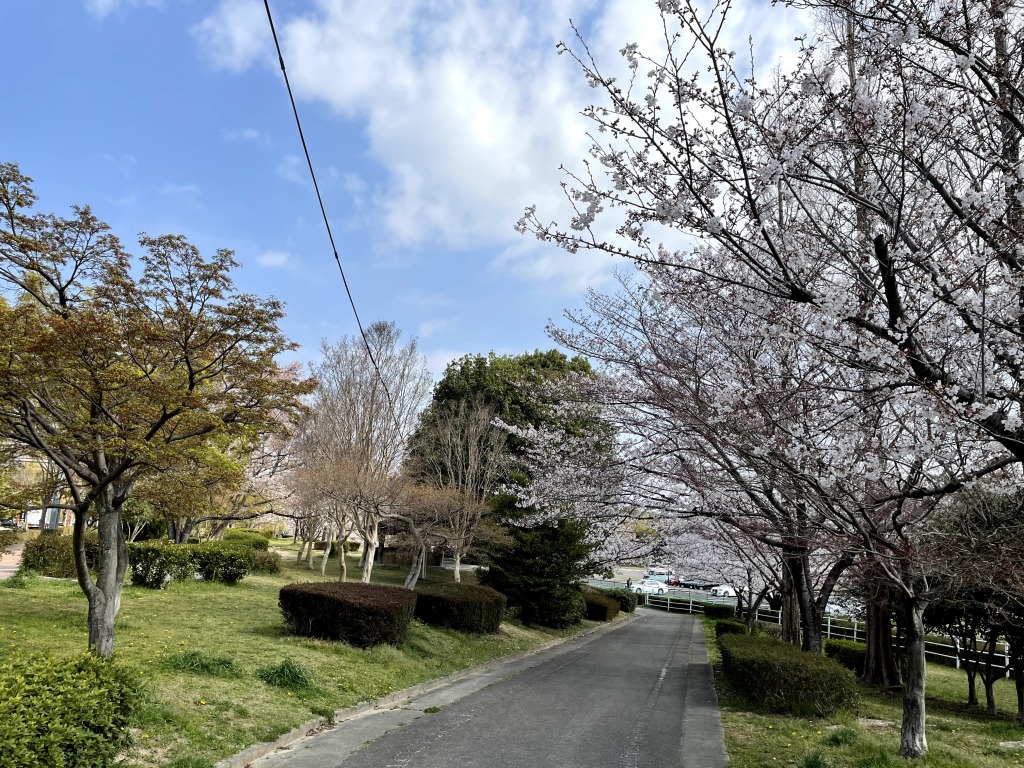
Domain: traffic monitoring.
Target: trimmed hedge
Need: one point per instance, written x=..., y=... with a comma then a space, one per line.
x=463, y=607
x=225, y=561
x=8, y=539
x=599, y=606
x=363, y=615
x=267, y=562
x=719, y=611
x=63, y=713
x=782, y=678
x=730, y=627
x=249, y=538
x=850, y=654
x=52, y=554
x=627, y=599
x=154, y=563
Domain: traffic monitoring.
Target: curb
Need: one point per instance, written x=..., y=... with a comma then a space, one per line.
x=245, y=758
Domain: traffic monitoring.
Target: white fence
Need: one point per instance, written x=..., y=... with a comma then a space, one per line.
x=837, y=627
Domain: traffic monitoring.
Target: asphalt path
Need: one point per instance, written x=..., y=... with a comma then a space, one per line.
x=634, y=697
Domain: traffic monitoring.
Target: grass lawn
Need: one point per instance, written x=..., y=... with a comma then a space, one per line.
x=958, y=736
x=191, y=719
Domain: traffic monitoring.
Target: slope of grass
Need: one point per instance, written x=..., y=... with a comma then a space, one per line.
x=194, y=717
x=958, y=736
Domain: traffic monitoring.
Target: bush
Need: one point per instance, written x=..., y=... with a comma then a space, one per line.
x=599, y=606
x=63, y=713
x=782, y=678
x=249, y=538
x=719, y=611
x=363, y=615
x=154, y=563
x=223, y=561
x=850, y=654
x=266, y=531
x=730, y=627
x=627, y=599
x=267, y=562
x=52, y=554
x=8, y=539
x=463, y=607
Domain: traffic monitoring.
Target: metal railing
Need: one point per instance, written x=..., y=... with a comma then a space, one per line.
x=679, y=600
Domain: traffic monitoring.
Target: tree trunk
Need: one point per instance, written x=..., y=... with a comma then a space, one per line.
x=370, y=545
x=419, y=562
x=326, y=557
x=104, y=594
x=342, y=563
x=458, y=565
x=880, y=666
x=989, y=674
x=913, y=741
x=790, y=607
x=810, y=614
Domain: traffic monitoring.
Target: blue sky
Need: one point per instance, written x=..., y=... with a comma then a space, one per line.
x=432, y=125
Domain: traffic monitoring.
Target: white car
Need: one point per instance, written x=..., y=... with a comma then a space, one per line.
x=723, y=590
x=650, y=587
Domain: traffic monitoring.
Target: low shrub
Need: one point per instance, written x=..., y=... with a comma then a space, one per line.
x=8, y=539
x=730, y=627
x=267, y=562
x=719, y=611
x=202, y=664
x=154, y=563
x=250, y=538
x=599, y=606
x=287, y=674
x=223, y=561
x=850, y=654
x=63, y=713
x=782, y=678
x=52, y=554
x=463, y=607
x=773, y=631
x=363, y=615
x=627, y=599
x=266, y=531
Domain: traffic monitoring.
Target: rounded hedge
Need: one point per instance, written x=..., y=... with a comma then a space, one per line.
x=782, y=678
x=463, y=607
x=730, y=627
x=627, y=598
x=225, y=561
x=850, y=654
x=250, y=538
x=363, y=615
x=63, y=713
x=599, y=606
x=155, y=563
x=52, y=554
x=719, y=611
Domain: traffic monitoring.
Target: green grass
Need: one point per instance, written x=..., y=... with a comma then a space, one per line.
x=958, y=736
x=198, y=648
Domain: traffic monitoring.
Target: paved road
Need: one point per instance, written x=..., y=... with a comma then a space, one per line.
x=9, y=561
x=634, y=697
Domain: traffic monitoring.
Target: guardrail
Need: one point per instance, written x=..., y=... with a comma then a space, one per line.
x=833, y=627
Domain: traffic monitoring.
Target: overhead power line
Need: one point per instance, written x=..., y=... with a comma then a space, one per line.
x=327, y=224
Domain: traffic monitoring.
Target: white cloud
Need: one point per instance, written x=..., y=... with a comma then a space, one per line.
x=294, y=169
x=432, y=326
x=234, y=36
x=251, y=135
x=465, y=103
x=188, y=190
x=102, y=8
x=273, y=259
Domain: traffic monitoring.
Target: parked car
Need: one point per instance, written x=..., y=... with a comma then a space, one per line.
x=650, y=587
x=723, y=590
